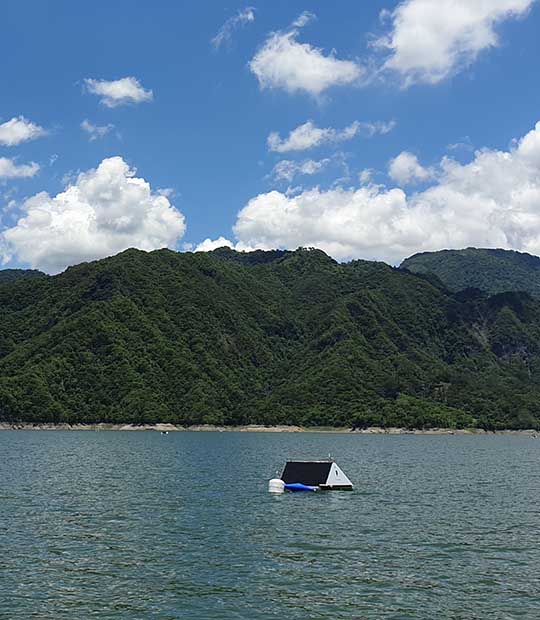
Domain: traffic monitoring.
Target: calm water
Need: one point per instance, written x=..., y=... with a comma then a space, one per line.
x=136, y=525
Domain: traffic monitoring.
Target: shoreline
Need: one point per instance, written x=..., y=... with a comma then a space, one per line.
x=256, y=428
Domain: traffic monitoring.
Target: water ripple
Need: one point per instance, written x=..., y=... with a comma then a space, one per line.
x=137, y=526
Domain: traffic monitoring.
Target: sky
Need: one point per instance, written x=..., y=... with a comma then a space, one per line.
x=371, y=130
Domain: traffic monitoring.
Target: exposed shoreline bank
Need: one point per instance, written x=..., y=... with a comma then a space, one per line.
x=256, y=428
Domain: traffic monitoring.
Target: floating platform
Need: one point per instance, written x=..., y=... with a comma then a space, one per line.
x=310, y=476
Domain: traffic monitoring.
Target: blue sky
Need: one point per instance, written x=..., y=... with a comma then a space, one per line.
x=416, y=111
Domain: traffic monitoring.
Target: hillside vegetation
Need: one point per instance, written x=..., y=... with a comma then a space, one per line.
x=10, y=275
x=493, y=271
x=264, y=337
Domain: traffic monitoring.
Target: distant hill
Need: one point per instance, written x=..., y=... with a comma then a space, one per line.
x=266, y=337
x=10, y=275
x=493, y=271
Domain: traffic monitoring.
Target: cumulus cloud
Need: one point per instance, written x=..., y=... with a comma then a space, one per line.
x=245, y=16
x=118, y=92
x=106, y=210
x=284, y=63
x=95, y=132
x=212, y=244
x=308, y=135
x=286, y=170
x=405, y=169
x=208, y=245
x=9, y=169
x=492, y=201
x=343, y=222
x=19, y=129
x=429, y=41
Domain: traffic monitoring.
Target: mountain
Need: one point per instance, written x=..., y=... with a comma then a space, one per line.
x=10, y=275
x=493, y=271
x=264, y=337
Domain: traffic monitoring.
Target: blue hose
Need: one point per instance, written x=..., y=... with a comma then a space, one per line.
x=298, y=486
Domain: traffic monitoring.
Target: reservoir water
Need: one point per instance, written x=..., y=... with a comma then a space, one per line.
x=140, y=526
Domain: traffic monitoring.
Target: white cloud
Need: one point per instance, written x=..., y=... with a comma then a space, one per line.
x=405, y=169
x=283, y=62
x=429, y=40
x=245, y=16
x=208, y=245
x=303, y=19
x=119, y=92
x=464, y=144
x=9, y=169
x=286, y=170
x=377, y=127
x=212, y=244
x=366, y=176
x=107, y=210
x=493, y=201
x=308, y=135
x=95, y=132
x=344, y=223
x=19, y=129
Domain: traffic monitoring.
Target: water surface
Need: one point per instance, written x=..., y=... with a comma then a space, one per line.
x=140, y=526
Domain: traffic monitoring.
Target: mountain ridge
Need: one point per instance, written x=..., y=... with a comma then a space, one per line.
x=11, y=275
x=288, y=337
x=490, y=269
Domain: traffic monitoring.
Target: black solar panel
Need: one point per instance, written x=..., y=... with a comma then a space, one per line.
x=312, y=473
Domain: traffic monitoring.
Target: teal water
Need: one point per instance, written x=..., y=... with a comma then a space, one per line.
x=136, y=525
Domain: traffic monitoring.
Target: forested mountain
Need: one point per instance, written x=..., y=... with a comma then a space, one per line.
x=493, y=271
x=10, y=275
x=264, y=337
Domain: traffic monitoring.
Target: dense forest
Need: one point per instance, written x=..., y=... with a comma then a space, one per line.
x=264, y=337
x=491, y=270
x=10, y=275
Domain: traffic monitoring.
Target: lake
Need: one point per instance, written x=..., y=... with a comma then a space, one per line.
x=137, y=525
